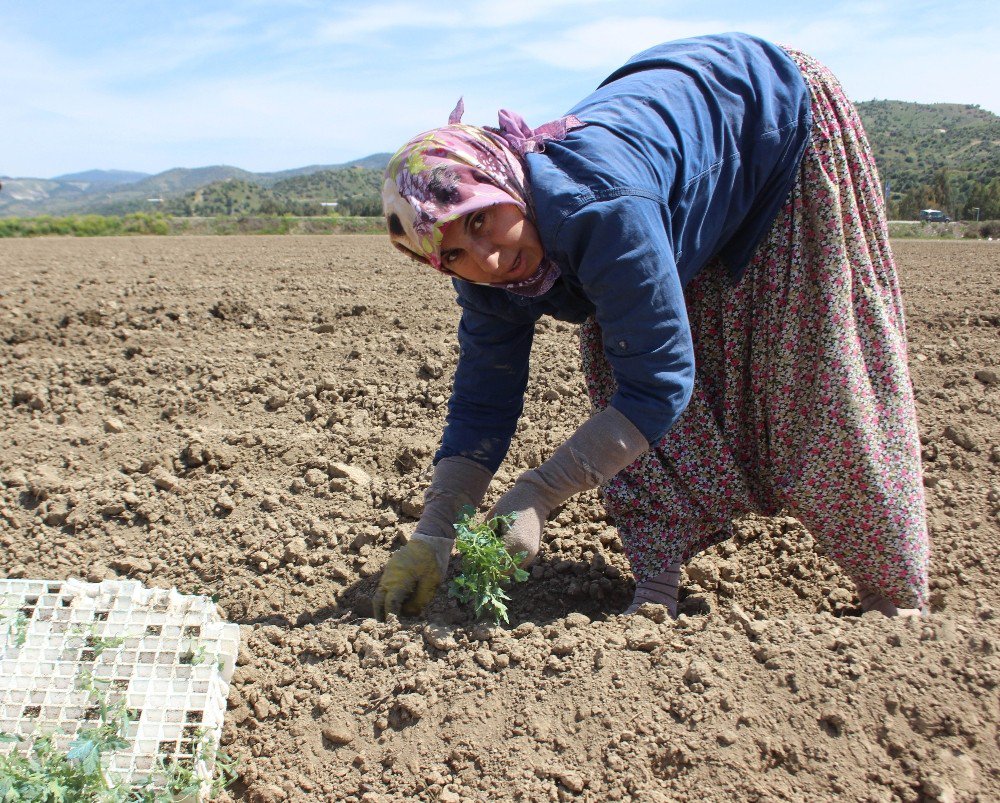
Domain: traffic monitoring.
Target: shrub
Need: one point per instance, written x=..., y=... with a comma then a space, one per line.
x=84, y=225
x=989, y=229
x=143, y=223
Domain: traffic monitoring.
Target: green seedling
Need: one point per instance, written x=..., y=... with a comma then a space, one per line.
x=486, y=565
x=47, y=775
x=99, y=644
x=44, y=774
x=94, y=643
x=16, y=624
x=195, y=655
x=17, y=629
x=181, y=782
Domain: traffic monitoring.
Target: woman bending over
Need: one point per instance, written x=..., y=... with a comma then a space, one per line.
x=712, y=218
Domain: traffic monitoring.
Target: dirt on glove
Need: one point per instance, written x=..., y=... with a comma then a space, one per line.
x=254, y=417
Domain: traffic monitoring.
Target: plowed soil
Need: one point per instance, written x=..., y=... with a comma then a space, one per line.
x=253, y=418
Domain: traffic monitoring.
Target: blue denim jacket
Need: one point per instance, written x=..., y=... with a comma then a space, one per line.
x=688, y=153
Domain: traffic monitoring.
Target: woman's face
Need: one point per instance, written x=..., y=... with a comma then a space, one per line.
x=494, y=245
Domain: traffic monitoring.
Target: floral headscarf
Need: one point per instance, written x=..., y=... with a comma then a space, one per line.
x=448, y=172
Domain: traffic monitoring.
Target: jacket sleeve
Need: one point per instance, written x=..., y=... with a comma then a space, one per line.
x=492, y=374
x=621, y=253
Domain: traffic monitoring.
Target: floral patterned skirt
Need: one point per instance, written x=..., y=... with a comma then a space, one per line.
x=802, y=397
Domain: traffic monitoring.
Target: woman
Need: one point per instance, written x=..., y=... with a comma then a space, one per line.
x=711, y=216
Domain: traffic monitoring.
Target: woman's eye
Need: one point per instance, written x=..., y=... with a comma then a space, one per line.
x=478, y=221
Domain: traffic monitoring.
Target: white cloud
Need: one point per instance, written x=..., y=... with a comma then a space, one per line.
x=608, y=42
x=874, y=50
x=270, y=88
x=473, y=18
x=369, y=20
x=194, y=41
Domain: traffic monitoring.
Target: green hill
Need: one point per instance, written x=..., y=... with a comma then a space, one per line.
x=353, y=191
x=357, y=188
x=228, y=197
x=944, y=155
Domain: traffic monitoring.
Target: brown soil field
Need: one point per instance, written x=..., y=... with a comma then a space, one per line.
x=254, y=417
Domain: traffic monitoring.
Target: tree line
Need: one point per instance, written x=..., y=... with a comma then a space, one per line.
x=979, y=200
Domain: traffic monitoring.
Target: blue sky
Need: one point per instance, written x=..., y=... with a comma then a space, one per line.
x=274, y=85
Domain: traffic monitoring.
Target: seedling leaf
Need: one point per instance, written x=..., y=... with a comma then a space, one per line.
x=486, y=565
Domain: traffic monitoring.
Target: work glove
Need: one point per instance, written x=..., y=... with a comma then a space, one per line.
x=604, y=445
x=414, y=571
x=411, y=576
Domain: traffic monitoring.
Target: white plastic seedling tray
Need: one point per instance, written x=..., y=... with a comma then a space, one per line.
x=169, y=656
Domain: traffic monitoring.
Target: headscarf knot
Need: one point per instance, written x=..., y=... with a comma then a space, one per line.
x=519, y=136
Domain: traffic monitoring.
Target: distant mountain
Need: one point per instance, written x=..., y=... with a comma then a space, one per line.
x=184, y=179
x=377, y=161
x=21, y=195
x=112, y=192
x=105, y=178
x=913, y=143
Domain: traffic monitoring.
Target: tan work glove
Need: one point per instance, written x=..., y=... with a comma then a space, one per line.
x=604, y=445
x=414, y=571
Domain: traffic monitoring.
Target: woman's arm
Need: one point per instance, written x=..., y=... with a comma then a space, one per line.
x=486, y=401
x=622, y=254
x=488, y=391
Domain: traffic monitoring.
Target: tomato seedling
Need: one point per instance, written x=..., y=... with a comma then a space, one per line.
x=486, y=565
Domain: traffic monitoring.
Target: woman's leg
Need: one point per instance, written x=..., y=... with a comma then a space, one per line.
x=663, y=589
x=679, y=498
x=836, y=400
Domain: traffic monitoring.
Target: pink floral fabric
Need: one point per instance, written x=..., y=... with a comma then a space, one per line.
x=802, y=398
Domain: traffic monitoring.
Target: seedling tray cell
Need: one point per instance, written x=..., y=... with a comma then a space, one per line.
x=167, y=657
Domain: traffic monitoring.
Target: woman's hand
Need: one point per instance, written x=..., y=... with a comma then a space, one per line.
x=415, y=570
x=531, y=506
x=412, y=576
